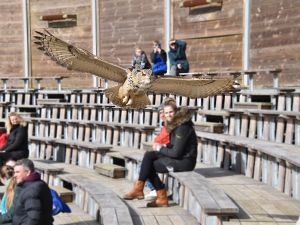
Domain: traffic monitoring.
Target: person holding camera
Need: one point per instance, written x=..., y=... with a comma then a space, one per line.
x=159, y=59
x=177, y=57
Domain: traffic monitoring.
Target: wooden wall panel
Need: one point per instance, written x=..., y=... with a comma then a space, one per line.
x=80, y=35
x=11, y=38
x=127, y=23
x=275, y=39
x=214, y=37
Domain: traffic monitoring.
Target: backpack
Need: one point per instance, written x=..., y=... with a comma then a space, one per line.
x=58, y=204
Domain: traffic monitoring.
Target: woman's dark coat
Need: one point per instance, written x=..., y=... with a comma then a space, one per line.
x=181, y=152
x=16, y=146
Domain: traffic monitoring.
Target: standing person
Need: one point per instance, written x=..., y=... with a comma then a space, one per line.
x=33, y=201
x=16, y=146
x=177, y=57
x=179, y=155
x=140, y=60
x=159, y=59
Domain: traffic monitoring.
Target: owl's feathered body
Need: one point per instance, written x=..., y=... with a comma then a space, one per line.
x=131, y=92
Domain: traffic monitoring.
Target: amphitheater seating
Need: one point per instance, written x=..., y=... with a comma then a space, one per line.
x=205, y=201
x=273, y=163
x=97, y=200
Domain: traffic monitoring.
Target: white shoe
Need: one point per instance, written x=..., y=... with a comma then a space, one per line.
x=151, y=196
x=298, y=222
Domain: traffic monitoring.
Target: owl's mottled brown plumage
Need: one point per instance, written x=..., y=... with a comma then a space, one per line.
x=133, y=85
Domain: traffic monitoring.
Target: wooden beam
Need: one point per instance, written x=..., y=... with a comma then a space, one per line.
x=193, y=3
x=58, y=17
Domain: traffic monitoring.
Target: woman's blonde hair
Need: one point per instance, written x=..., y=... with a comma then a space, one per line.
x=10, y=192
x=8, y=124
x=7, y=172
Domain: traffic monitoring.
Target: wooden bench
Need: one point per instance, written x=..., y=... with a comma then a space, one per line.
x=84, y=154
x=209, y=127
x=110, y=170
x=205, y=201
x=275, y=164
x=97, y=200
x=38, y=80
x=252, y=105
x=48, y=172
x=65, y=194
x=115, y=133
x=210, y=208
x=272, y=125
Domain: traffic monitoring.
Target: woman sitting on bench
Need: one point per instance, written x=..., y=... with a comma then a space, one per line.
x=179, y=155
x=16, y=146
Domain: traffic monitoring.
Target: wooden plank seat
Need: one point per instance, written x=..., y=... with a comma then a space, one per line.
x=110, y=170
x=209, y=127
x=80, y=153
x=115, y=133
x=252, y=105
x=47, y=170
x=130, y=157
x=276, y=164
x=97, y=200
x=204, y=200
x=273, y=125
x=65, y=194
x=211, y=206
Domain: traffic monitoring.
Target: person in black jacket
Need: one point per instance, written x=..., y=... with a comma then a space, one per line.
x=16, y=146
x=179, y=155
x=32, y=203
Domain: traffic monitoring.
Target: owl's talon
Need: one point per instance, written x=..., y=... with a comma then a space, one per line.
x=125, y=99
x=129, y=102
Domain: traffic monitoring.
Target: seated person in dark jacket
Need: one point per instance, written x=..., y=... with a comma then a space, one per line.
x=177, y=57
x=32, y=204
x=159, y=59
x=179, y=155
x=16, y=146
x=140, y=60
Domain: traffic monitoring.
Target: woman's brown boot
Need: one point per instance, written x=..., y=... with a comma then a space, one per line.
x=161, y=200
x=136, y=192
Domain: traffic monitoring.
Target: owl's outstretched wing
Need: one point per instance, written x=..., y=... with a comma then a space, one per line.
x=191, y=87
x=75, y=58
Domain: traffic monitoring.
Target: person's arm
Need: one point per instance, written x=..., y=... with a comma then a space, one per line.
x=172, y=58
x=133, y=61
x=7, y=217
x=181, y=44
x=163, y=55
x=33, y=208
x=152, y=57
x=19, y=140
x=143, y=61
x=176, y=150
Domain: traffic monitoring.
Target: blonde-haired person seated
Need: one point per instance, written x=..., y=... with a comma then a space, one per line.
x=16, y=146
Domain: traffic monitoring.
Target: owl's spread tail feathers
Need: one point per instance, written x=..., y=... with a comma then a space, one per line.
x=136, y=101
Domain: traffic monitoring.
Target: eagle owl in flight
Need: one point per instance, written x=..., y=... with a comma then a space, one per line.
x=133, y=85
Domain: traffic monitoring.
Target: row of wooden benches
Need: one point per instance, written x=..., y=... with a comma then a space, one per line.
x=89, y=194
x=205, y=201
x=281, y=99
